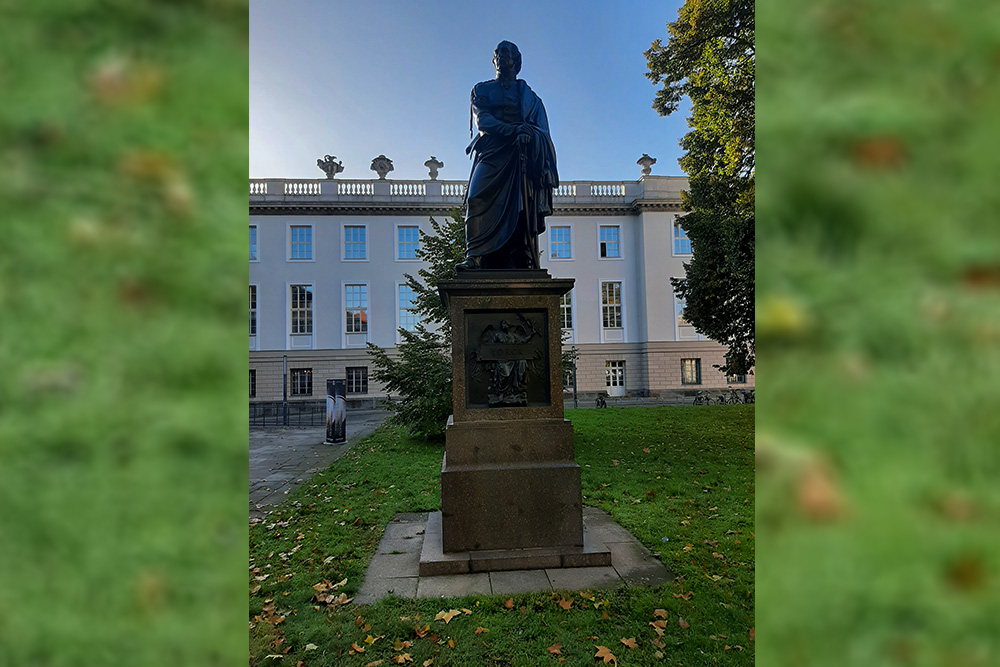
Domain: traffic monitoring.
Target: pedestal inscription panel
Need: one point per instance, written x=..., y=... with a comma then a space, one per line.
x=507, y=358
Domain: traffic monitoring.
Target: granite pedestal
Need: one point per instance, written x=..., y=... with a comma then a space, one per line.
x=510, y=487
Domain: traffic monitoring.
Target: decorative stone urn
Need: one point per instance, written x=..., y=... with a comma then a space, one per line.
x=381, y=166
x=433, y=165
x=330, y=165
x=646, y=163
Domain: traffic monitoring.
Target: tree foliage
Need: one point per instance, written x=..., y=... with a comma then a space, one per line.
x=421, y=373
x=709, y=58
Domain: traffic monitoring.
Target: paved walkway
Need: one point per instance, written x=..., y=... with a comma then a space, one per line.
x=394, y=569
x=283, y=458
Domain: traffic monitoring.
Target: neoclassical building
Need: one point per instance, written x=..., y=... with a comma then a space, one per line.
x=327, y=259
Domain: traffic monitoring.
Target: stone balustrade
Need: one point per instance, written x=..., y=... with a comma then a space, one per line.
x=663, y=189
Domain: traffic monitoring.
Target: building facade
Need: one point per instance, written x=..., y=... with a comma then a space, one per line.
x=328, y=256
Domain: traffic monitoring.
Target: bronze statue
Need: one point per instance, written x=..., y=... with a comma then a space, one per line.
x=513, y=171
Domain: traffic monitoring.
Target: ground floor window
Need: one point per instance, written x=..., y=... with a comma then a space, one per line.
x=357, y=380
x=736, y=379
x=301, y=381
x=615, y=373
x=690, y=371
x=253, y=383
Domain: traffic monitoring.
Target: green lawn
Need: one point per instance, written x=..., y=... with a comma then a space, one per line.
x=681, y=479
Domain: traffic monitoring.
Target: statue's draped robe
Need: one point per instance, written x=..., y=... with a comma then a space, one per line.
x=507, y=205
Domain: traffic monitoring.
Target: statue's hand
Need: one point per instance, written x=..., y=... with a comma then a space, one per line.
x=524, y=138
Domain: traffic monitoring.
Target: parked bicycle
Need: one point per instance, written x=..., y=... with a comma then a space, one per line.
x=601, y=402
x=702, y=398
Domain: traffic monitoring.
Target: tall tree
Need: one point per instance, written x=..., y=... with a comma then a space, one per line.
x=709, y=58
x=421, y=373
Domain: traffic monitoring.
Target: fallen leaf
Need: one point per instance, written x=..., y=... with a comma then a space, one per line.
x=466, y=611
x=555, y=649
x=311, y=647
x=659, y=655
x=660, y=613
x=375, y=664
x=403, y=657
x=587, y=595
x=684, y=624
x=428, y=662
x=480, y=631
x=400, y=645
x=630, y=642
x=422, y=631
x=357, y=648
x=451, y=643
x=752, y=634
x=446, y=616
x=509, y=604
x=565, y=604
x=684, y=596
x=603, y=652
x=657, y=643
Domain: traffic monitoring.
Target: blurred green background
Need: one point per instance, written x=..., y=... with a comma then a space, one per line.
x=123, y=432
x=878, y=330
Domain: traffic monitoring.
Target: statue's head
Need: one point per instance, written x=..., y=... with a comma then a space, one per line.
x=505, y=56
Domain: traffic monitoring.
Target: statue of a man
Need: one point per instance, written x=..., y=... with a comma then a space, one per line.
x=513, y=171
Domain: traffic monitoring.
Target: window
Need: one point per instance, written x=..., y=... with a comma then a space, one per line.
x=357, y=380
x=615, y=373
x=301, y=381
x=356, y=305
x=559, y=243
x=611, y=305
x=302, y=243
x=302, y=309
x=354, y=243
x=253, y=383
x=736, y=379
x=690, y=371
x=407, y=242
x=682, y=244
x=680, y=303
x=408, y=318
x=253, y=310
x=566, y=310
x=609, y=242
x=253, y=243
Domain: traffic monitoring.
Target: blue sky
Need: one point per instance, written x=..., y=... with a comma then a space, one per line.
x=355, y=79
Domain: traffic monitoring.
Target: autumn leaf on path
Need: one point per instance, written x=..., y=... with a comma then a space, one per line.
x=555, y=649
x=684, y=624
x=660, y=613
x=630, y=642
x=565, y=604
x=587, y=595
x=509, y=604
x=446, y=616
x=603, y=652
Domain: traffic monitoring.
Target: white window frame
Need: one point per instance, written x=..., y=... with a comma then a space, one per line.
x=572, y=314
x=343, y=314
x=395, y=239
x=343, y=242
x=609, y=380
x=312, y=243
x=572, y=249
x=621, y=244
x=674, y=239
x=677, y=324
x=289, y=336
x=399, y=308
x=256, y=243
x=600, y=312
